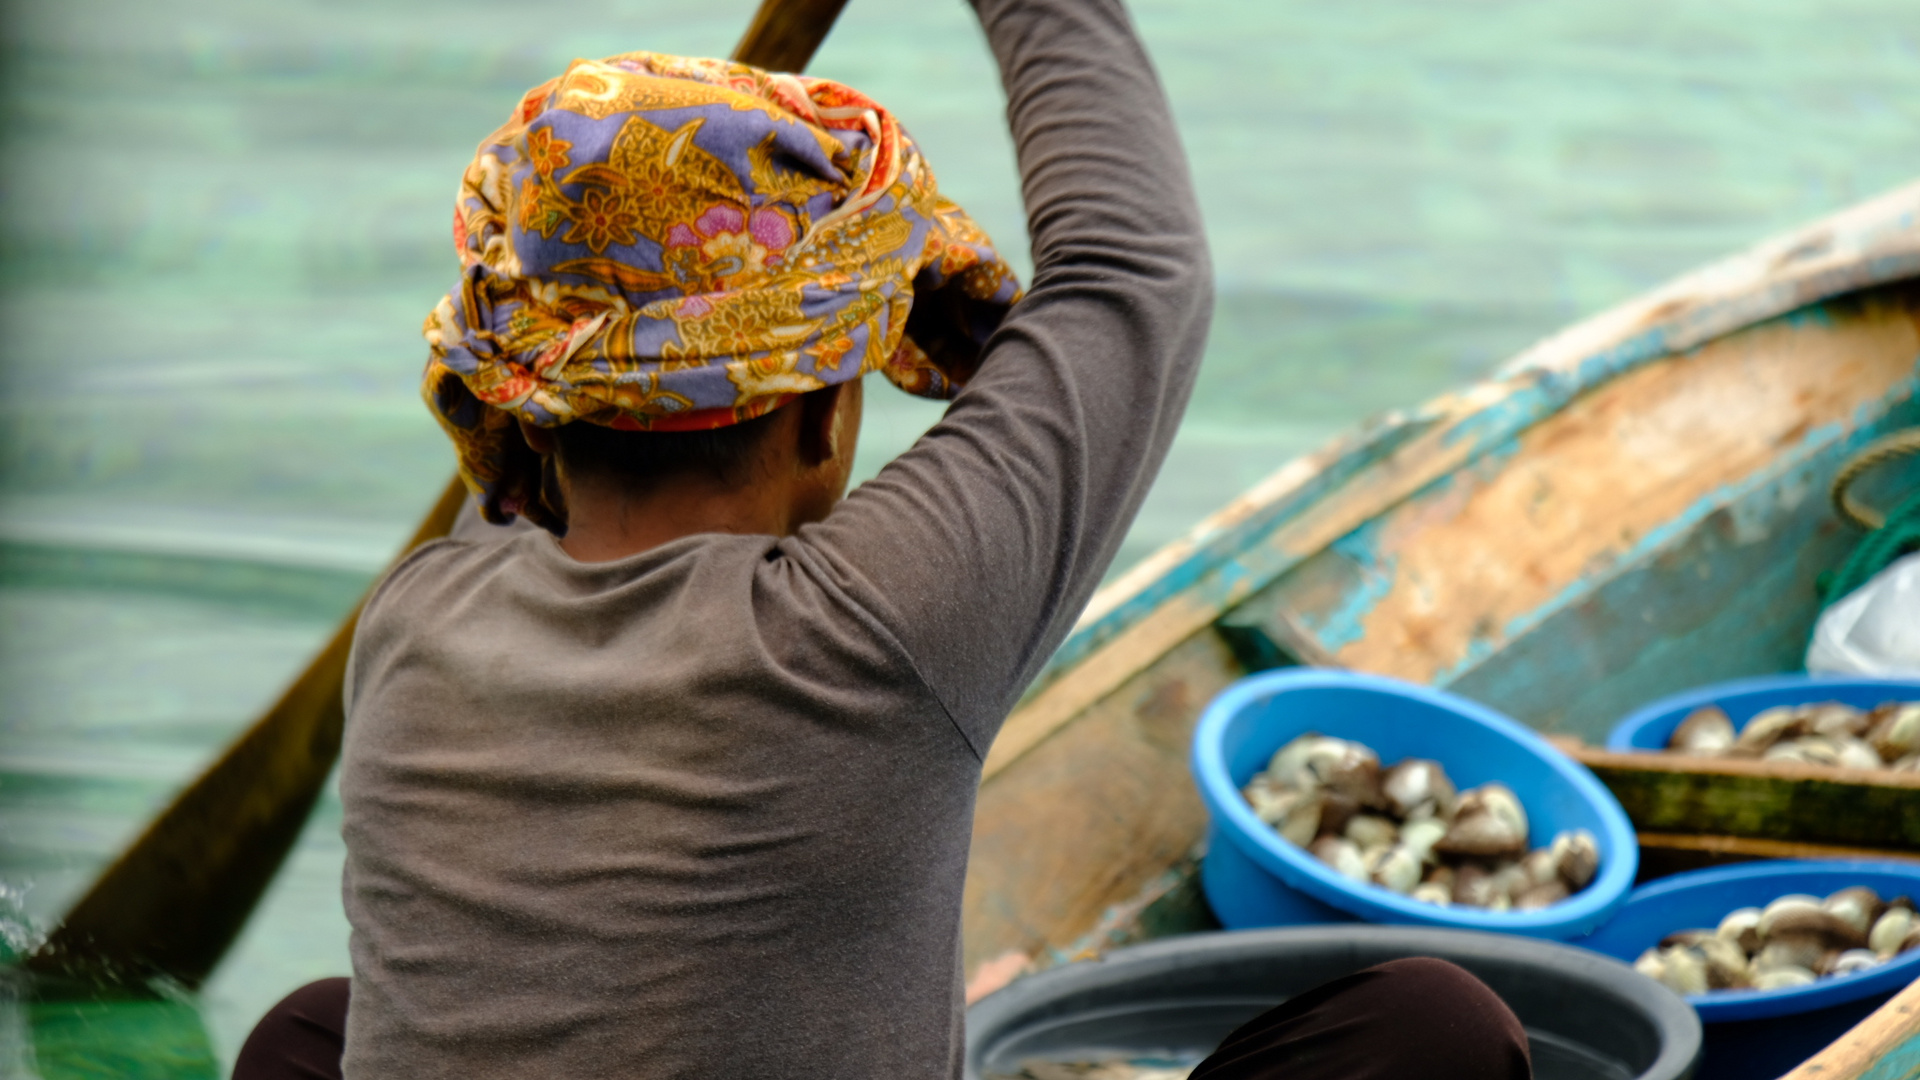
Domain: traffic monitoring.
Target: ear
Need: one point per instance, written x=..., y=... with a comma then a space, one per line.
x=818, y=409
x=540, y=440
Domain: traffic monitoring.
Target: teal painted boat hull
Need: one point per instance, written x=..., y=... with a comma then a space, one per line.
x=1635, y=506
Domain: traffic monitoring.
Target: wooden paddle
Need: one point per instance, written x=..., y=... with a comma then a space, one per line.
x=173, y=902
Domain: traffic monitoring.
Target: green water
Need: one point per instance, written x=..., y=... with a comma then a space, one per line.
x=222, y=220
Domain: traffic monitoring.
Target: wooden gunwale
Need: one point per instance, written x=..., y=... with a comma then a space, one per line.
x=1884, y=1046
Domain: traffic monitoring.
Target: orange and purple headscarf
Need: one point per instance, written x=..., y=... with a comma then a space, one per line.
x=667, y=244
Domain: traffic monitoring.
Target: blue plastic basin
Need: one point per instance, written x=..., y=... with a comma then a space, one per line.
x=1651, y=727
x=1253, y=878
x=1763, y=1033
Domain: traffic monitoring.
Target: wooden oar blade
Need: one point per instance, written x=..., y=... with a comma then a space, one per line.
x=173, y=903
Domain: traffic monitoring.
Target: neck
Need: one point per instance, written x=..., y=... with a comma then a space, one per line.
x=608, y=520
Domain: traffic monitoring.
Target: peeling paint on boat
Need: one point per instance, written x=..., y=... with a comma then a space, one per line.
x=1345, y=624
x=1225, y=558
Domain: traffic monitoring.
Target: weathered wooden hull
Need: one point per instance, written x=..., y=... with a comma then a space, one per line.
x=1630, y=508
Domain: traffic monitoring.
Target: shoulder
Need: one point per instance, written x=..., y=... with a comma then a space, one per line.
x=426, y=586
x=423, y=567
x=825, y=607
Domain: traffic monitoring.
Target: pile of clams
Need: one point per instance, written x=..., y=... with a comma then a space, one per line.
x=1407, y=830
x=1790, y=942
x=1826, y=733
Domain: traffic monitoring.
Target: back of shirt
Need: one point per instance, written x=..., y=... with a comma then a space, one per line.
x=724, y=834
x=705, y=810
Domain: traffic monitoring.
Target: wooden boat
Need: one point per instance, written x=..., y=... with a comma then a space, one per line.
x=1634, y=506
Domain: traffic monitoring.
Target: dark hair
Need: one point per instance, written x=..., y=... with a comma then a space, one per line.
x=722, y=452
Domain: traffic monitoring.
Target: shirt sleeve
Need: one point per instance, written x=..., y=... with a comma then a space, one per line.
x=978, y=547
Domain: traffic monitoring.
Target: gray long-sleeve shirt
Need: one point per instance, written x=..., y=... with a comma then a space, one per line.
x=704, y=811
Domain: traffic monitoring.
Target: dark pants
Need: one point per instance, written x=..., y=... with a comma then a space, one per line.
x=1416, y=1018
x=301, y=1038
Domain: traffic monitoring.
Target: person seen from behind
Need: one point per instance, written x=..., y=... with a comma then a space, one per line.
x=679, y=783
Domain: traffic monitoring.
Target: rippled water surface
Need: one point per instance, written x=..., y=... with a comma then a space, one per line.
x=224, y=219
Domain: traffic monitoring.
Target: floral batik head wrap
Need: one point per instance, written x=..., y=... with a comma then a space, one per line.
x=665, y=244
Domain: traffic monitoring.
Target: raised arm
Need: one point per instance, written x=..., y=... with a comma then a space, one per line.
x=978, y=547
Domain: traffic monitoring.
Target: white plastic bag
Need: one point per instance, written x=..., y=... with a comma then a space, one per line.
x=1873, y=630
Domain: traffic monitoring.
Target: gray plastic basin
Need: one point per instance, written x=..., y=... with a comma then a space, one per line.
x=1588, y=1017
